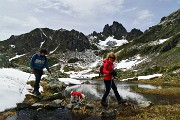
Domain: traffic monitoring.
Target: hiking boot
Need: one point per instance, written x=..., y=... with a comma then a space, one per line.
x=121, y=101
x=36, y=92
x=104, y=104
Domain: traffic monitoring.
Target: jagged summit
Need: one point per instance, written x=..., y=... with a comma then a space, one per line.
x=118, y=31
x=58, y=40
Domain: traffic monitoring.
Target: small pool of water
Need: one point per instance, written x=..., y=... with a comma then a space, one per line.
x=95, y=91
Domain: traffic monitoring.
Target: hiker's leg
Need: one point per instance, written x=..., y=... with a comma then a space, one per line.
x=38, y=74
x=118, y=97
x=108, y=88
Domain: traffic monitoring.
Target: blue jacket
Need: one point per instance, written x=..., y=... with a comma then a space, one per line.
x=39, y=62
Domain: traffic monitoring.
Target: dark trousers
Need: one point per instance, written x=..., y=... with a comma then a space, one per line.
x=38, y=74
x=110, y=84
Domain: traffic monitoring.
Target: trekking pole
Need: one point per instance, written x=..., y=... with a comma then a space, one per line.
x=25, y=83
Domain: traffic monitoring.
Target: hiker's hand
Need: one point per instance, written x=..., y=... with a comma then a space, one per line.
x=113, y=73
x=49, y=71
x=32, y=71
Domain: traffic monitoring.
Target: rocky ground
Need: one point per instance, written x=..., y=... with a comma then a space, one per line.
x=54, y=106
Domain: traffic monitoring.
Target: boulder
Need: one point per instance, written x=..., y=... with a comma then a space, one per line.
x=55, y=85
x=55, y=104
x=109, y=113
x=70, y=106
x=89, y=106
x=53, y=97
x=21, y=106
x=145, y=104
x=37, y=105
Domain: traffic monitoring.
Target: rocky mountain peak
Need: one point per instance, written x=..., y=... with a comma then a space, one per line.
x=134, y=33
x=53, y=40
x=116, y=29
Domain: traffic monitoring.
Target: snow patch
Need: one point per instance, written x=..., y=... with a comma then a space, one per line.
x=17, y=56
x=111, y=39
x=157, y=42
x=12, y=82
x=12, y=46
x=128, y=64
x=54, y=50
x=149, y=76
x=69, y=81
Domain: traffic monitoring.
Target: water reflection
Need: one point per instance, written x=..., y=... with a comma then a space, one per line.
x=149, y=86
x=95, y=90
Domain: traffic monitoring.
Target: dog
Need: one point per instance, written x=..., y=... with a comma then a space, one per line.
x=77, y=97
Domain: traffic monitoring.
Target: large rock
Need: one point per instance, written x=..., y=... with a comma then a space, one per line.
x=145, y=104
x=55, y=104
x=55, y=85
x=21, y=106
x=70, y=106
x=53, y=97
x=109, y=113
x=37, y=105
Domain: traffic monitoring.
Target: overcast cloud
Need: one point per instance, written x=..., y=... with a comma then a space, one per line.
x=22, y=16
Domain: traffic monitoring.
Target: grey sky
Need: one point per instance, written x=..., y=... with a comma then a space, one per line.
x=22, y=16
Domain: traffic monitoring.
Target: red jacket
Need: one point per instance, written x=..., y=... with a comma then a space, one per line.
x=108, y=67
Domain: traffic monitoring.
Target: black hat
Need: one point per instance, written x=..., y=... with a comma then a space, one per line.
x=43, y=51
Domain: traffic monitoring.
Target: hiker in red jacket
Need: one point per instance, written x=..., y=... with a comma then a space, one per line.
x=109, y=74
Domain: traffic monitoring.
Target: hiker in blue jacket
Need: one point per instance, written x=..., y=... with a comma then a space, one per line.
x=37, y=63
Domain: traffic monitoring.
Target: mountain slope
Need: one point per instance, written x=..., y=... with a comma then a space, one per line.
x=53, y=40
x=160, y=44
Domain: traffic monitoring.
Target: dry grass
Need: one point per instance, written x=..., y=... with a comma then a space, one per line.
x=164, y=91
x=161, y=81
x=173, y=88
x=6, y=114
x=157, y=112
